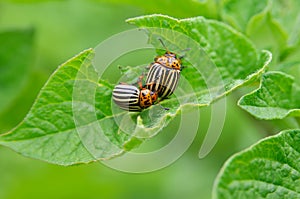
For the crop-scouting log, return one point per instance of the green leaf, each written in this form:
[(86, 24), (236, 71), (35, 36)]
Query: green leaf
[(258, 23), (49, 131), (268, 169), (220, 60), (16, 51), (247, 15), (291, 62), (267, 33), (271, 24), (213, 44), (19, 107), (239, 13), (277, 97), (286, 13), (74, 120)]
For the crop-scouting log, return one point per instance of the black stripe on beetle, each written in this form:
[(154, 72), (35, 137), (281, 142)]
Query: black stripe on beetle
[(162, 79), (130, 98), (164, 73)]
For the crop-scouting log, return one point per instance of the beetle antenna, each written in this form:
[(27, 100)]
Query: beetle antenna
[(165, 108), (161, 106), (184, 50), (162, 43)]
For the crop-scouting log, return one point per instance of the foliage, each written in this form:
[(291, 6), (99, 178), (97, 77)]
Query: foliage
[(269, 169), (14, 71), (228, 51), (277, 97), (49, 131)]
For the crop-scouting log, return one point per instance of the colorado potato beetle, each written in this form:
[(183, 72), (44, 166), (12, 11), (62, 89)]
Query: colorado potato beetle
[(164, 73), (131, 98)]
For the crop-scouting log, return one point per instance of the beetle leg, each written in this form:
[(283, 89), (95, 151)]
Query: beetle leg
[(182, 56), (140, 81), (165, 108), (182, 67), (148, 66)]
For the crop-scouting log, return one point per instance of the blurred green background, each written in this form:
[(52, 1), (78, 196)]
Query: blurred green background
[(61, 29)]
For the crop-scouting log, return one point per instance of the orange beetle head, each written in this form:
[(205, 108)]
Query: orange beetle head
[(169, 60), (147, 98)]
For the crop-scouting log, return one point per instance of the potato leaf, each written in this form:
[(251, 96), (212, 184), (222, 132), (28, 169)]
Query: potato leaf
[(75, 121), (277, 97), (268, 169)]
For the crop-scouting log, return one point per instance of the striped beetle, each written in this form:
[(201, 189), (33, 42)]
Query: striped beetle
[(164, 73), (130, 98)]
